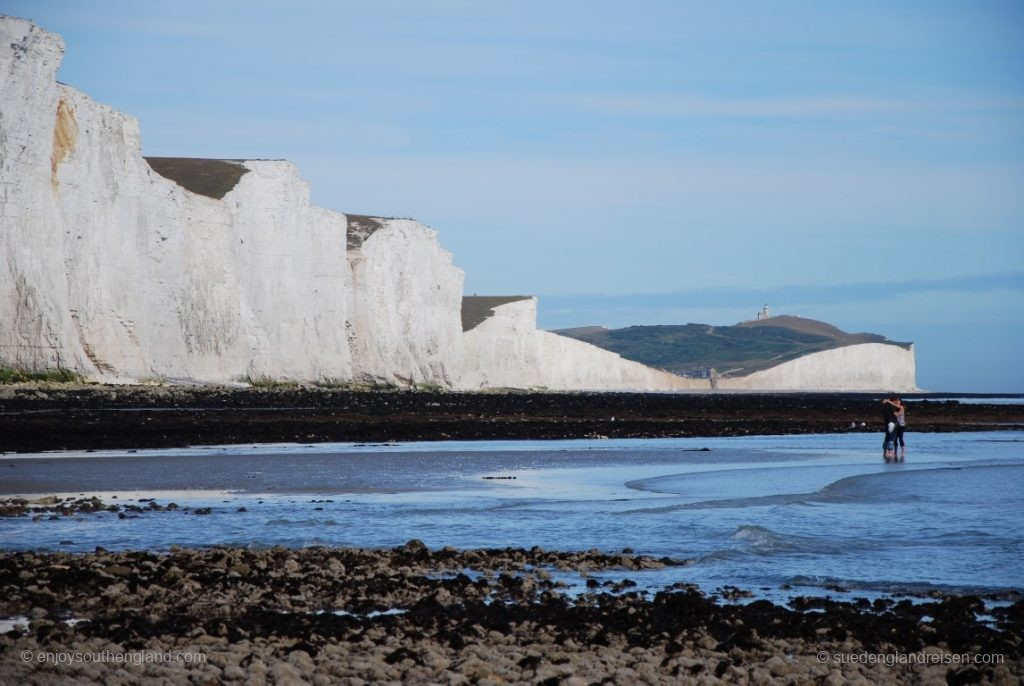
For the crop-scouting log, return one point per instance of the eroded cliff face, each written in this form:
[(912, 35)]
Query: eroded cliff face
[(505, 349), (862, 367), (111, 270), (162, 282), (405, 318), (36, 330), (191, 269)]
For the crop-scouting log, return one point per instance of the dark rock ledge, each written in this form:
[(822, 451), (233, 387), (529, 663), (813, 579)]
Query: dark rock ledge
[(478, 616)]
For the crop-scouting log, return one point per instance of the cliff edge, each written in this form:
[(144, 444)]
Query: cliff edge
[(120, 267)]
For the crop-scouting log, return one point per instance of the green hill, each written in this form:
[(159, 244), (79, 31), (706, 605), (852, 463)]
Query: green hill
[(694, 349)]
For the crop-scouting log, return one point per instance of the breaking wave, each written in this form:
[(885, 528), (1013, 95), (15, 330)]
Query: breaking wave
[(763, 541)]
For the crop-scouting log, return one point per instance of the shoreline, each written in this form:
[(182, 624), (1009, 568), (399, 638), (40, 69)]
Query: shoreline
[(669, 569), (334, 613), (41, 417), (416, 615)]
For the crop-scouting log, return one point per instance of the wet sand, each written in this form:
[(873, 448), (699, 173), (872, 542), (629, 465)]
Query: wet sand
[(412, 615), (36, 418)]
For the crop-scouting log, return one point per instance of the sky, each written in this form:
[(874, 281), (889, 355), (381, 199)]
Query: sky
[(629, 163)]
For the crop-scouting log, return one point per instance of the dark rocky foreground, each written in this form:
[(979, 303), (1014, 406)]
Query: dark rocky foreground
[(42, 417), (485, 617)]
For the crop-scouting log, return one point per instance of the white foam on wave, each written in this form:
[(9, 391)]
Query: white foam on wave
[(764, 541), (372, 614), (20, 623)]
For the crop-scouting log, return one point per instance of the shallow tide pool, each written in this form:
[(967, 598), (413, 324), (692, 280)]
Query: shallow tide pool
[(811, 514)]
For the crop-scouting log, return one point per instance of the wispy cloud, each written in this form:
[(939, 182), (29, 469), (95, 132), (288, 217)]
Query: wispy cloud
[(674, 105), (817, 294)]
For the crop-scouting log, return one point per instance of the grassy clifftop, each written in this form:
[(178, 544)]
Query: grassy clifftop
[(693, 349)]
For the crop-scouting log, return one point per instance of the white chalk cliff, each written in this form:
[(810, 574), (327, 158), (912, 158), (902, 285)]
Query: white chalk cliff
[(860, 367), (405, 319), (114, 271), (121, 267), (504, 348)]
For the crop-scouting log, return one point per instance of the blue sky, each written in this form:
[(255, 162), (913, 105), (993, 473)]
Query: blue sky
[(631, 163)]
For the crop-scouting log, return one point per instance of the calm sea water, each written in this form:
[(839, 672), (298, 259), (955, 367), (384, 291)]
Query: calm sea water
[(779, 515)]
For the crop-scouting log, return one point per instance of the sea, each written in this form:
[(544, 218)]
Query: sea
[(775, 516)]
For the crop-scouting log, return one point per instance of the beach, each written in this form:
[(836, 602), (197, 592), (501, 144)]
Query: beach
[(412, 615), (44, 416), (740, 559)]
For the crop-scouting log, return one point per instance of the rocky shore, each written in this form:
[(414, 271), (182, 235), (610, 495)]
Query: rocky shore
[(412, 615), (67, 416)]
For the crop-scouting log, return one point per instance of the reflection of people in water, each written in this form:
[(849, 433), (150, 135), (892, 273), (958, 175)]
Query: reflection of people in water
[(901, 425), (890, 406)]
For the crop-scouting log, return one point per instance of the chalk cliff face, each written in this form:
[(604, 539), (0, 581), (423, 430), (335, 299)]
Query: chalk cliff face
[(504, 348), (863, 367), (407, 295), (112, 270), (34, 321)]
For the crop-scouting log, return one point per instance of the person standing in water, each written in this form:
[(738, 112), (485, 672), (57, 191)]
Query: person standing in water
[(901, 425), (889, 409)]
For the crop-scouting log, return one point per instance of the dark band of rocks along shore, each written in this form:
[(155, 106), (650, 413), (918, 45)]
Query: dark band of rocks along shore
[(105, 417), (412, 615)]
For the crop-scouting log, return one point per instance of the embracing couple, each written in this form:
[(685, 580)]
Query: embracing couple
[(895, 417)]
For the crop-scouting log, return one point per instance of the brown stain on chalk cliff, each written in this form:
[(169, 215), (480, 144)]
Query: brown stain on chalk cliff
[(65, 135)]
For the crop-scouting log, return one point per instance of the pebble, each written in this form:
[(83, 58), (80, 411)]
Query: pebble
[(254, 613)]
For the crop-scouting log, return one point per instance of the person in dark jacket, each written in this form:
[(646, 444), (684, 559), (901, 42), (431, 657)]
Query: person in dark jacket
[(890, 408)]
